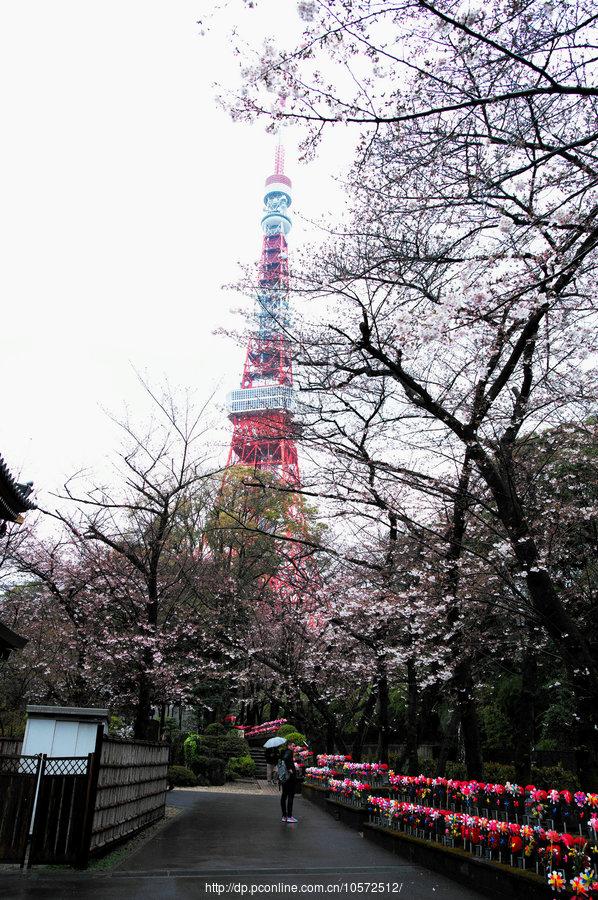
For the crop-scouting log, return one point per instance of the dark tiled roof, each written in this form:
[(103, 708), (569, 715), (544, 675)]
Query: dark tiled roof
[(13, 496), (10, 640)]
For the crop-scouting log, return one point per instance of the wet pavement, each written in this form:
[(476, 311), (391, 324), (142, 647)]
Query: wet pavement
[(236, 844)]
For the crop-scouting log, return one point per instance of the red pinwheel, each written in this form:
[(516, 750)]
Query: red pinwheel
[(515, 844)]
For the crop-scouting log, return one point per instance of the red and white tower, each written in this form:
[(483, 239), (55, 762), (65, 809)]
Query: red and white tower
[(261, 410)]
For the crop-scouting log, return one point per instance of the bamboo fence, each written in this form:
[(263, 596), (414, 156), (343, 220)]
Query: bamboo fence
[(131, 790), (10, 746)]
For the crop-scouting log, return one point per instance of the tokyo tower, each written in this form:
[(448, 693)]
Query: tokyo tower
[(261, 410)]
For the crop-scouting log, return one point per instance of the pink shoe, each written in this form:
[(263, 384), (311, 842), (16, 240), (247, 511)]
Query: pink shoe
[(292, 819), (284, 819)]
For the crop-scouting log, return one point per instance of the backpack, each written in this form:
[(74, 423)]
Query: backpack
[(282, 772)]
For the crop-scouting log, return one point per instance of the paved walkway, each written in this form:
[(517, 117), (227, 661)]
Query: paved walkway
[(233, 843)]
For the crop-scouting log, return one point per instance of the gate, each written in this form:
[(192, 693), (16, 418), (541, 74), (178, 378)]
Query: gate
[(61, 810), (53, 795), (19, 776)]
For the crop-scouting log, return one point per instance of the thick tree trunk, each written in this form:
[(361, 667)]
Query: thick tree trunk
[(362, 725), (330, 736), (448, 743), (462, 683), (470, 724), (146, 683), (411, 720), (568, 639), (523, 736), (143, 708), (251, 712), (383, 721)]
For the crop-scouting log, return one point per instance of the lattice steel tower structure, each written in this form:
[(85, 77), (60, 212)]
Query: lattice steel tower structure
[(261, 410)]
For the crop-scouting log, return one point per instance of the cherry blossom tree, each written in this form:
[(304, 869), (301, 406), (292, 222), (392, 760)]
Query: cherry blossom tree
[(130, 576), (464, 276)]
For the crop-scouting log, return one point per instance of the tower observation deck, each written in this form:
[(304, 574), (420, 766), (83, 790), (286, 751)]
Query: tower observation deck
[(262, 408)]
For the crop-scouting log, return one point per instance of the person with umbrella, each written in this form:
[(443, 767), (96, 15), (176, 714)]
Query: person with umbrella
[(272, 748), (287, 776)]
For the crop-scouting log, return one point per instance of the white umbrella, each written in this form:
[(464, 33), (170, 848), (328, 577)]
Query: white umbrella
[(275, 742)]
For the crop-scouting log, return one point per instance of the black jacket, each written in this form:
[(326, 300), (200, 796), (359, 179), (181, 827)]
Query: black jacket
[(271, 754), (287, 758)]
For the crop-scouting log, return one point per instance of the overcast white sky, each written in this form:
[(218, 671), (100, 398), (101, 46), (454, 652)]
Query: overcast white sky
[(127, 201)]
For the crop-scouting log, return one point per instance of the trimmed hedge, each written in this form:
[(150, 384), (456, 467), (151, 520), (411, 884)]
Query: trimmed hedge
[(241, 767), (207, 754), (236, 745), (295, 737), (286, 729), (210, 769), (215, 728), (181, 776), (223, 746)]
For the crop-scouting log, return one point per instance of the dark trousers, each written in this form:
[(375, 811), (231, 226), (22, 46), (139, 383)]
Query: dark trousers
[(287, 796)]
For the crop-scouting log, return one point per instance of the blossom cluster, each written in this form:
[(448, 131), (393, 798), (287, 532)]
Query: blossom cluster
[(573, 857)]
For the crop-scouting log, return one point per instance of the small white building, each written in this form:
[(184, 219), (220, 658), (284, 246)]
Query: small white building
[(62, 730)]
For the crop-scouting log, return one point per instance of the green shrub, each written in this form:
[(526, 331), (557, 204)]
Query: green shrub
[(213, 745), (115, 724), (181, 776), (201, 765), (177, 751), (210, 769), (241, 767), (295, 737), (191, 749), (217, 773), (547, 743), (557, 776), (286, 729), (215, 728), (223, 746), (171, 728), (217, 746), (455, 770), (235, 744), (499, 773)]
